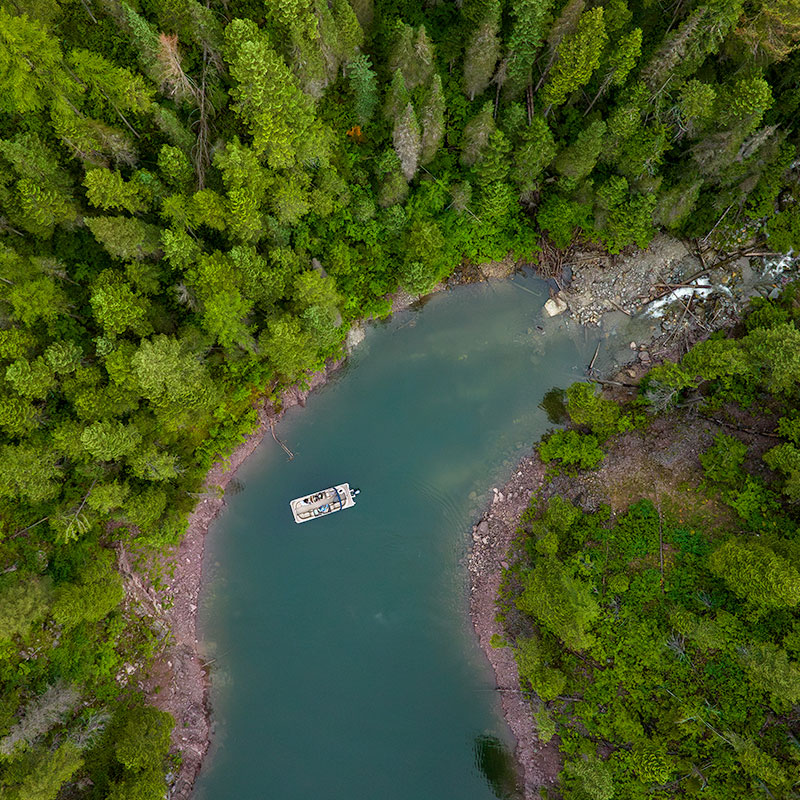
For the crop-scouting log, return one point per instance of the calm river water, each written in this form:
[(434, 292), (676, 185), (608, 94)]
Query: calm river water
[(346, 668)]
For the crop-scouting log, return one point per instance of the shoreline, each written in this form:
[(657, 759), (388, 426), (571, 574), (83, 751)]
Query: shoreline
[(179, 681), (492, 535)]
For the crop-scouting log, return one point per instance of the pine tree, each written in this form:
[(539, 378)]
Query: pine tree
[(350, 36), (744, 102), (412, 54), (279, 116), (407, 142), (563, 25), (578, 57), (125, 237), (145, 40), (108, 190), (364, 85), (481, 57), (111, 86), (535, 150), (475, 137), (578, 159), (30, 65), (432, 118), (619, 62), (527, 34), (397, 98)]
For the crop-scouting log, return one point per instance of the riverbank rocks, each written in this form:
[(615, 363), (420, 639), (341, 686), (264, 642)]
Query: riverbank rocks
[(555, 306)]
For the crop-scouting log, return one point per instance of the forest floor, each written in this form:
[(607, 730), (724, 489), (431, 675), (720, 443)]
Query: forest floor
[(595, 286)]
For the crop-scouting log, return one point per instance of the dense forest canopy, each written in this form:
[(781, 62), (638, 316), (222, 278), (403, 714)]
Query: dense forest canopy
[(661, 642), (197, 198)]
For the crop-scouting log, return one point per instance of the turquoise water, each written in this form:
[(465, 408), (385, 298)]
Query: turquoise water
[(345, 666)]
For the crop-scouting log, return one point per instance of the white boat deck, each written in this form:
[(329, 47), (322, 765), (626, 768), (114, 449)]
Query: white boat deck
[(320, 504)]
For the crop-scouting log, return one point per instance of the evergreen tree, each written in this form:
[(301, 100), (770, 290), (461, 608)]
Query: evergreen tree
[(531, 18), (535, 150), (481, 57), (619, 62), (364, 85), (475, 136), (407, 141), (397, 98), (578, 57), (30, 65), (578, 160), (432, 118), (278, 115)]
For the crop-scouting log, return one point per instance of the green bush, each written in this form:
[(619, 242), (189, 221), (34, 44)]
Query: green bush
[(722, 462), (572, 449)]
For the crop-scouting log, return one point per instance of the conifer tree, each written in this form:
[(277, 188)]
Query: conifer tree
[(563, 25), (108, 190), (125, 237), (620, 60), (279, 116), (527, 34), (364, 85), (30, 65), (349, 34), (111, 86), (535, 150), (578, 159), (578, 57), (475, 136), (397, 98), (481, 57), (407, 142), (432, 118), (412, 54)]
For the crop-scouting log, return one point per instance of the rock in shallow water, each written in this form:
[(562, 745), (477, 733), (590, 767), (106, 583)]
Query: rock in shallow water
[(555, 306)]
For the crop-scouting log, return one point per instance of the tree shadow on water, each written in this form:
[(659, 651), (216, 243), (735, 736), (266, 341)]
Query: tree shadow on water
[(496, 764), (554, 404)]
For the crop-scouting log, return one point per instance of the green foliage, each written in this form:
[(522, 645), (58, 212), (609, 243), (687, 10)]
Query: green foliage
[(572, 449), (601, 416), (753, 571), (560, 602), (532, 661), (169, 176), (722, 462), (578, 57)]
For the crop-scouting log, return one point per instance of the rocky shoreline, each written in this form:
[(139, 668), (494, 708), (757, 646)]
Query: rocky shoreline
[(492, 535)]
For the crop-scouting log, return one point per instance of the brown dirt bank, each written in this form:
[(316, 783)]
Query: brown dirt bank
[(179, 681), (538, 763)]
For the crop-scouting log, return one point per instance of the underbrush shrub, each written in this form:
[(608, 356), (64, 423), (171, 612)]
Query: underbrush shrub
[(722, 462), (635, 534), (572, 449), (601, 416)]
